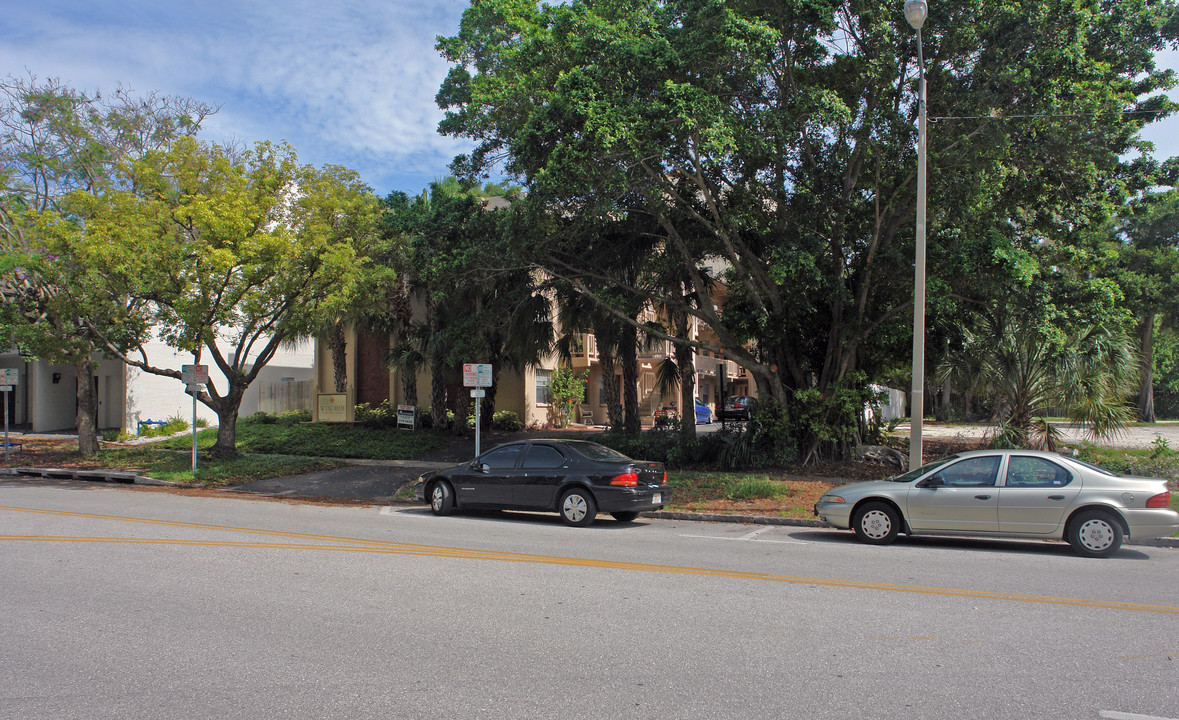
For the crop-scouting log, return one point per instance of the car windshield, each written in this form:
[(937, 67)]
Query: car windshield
[(914, 474), (594, 451)]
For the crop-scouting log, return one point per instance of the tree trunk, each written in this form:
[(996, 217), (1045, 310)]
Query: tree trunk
[(409, 385), (628, 349), (610, 391), (339, 347), (683, 360), (227, 409), (438, 395), (87, 415), (1146, 391), (487, 406), (462, 401)]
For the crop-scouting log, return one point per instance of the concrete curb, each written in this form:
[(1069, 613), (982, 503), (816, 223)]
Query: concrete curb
[(124, 477)]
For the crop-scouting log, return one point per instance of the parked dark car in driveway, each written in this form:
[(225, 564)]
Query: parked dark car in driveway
[(740, 407), (574, 478)]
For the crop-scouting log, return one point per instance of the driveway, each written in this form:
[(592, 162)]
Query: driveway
[(1137, 436)]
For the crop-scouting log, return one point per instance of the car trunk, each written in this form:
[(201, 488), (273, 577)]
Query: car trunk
[(649, 473)]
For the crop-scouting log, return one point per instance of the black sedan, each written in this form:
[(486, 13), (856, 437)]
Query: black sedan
[(574, 478), (737, 408)]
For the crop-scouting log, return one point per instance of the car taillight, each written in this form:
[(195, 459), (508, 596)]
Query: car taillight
[(626, 480), (1162, 500), (664, 477)]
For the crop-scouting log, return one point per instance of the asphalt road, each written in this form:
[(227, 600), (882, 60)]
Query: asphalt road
[(120, 603)]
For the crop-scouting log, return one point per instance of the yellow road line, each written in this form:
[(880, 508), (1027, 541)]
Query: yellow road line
[(338, 544)]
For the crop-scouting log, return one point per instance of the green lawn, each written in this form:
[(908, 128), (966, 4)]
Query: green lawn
[(176, 466), (321, 440)]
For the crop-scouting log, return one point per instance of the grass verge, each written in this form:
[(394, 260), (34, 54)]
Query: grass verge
[(320, 440), (177, 466), (744, 493)]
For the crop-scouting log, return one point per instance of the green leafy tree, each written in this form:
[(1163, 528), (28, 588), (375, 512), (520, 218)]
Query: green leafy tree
[(476, 309), (57, 146), (226, 256), (1146, 244), (775, 142)]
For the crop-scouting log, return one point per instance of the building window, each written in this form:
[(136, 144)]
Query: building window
[(543, 377)]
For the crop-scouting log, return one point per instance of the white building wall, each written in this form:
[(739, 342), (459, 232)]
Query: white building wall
[(53, 396), (154, 397)]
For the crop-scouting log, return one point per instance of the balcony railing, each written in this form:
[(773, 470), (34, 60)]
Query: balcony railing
[(583, 350)]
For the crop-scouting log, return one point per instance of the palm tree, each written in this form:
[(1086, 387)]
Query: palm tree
[(1089, 375)]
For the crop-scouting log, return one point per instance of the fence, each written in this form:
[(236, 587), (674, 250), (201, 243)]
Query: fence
[(276, 397)]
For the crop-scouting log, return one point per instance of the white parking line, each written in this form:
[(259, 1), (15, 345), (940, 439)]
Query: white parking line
[(755, 533), (401, 511), (1112, 715), (748, 538)]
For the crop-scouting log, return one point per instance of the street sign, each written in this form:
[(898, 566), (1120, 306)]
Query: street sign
[(11, 376), (476, 375), (194, 374), (479, 393)]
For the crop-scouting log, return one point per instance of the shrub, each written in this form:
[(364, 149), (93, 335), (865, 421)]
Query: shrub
[(507, 420), (380, 416), (294, 417), (289, 417)]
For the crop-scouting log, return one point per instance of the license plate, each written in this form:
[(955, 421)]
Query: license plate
[(658, 498)]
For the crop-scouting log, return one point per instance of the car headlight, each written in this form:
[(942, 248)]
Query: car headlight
[(832, 499)]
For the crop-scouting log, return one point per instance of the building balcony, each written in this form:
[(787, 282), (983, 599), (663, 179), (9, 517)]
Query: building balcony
[(583, 351)]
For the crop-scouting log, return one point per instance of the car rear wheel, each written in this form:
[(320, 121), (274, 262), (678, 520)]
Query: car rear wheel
[(1095, 533), (577, 507), (876, 523), (441, 498), (627, 516)]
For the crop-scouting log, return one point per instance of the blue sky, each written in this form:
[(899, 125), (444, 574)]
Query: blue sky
[(350, 82)]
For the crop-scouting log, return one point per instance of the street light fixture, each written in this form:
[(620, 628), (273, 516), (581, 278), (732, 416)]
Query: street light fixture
[(916, 12)]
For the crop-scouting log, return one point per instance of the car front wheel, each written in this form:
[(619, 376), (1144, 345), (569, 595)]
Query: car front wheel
[(577, 507), (441, 498), (876, 523), (1095, 533)]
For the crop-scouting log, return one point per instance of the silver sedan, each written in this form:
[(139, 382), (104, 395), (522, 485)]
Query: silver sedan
[(1008, 493)]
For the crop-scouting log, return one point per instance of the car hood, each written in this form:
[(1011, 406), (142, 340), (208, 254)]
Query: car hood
[(867, 488)]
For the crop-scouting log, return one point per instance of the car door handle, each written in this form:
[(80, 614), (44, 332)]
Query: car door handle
[(1055, 497), (982, 497)]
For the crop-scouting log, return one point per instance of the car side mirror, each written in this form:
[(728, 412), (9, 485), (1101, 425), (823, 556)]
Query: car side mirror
[(932, 483)]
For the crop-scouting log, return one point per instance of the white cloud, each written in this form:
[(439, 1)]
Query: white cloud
[(341, 81), (349, 82)]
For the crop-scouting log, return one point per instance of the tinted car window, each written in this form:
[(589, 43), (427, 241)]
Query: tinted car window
[(543, 456), (1035, 472), (971, 472), (502, 458), (594, 451)]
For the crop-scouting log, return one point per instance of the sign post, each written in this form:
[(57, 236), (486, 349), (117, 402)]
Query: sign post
[(195, 377), (9, 377), (477, 376)]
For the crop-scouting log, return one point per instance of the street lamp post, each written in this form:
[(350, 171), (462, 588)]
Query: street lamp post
[(916, 12)]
